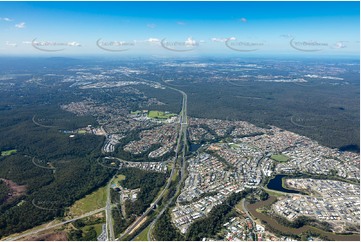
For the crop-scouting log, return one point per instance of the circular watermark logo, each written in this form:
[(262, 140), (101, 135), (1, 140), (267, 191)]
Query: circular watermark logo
[(51, 46), (47, 205), (308, 46), (305, 121), (242, 46), (237, 81), (308, 83), (115, 46), (47, 80), (42, 164), (180, 46), (172, 81)]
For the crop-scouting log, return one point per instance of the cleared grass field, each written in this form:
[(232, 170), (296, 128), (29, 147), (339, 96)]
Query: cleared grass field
[(169, 166), (239, 206), (280, 158), (89, 203), (143, 235), (136, 112), (273, 193), (118, 178), (175, 175), (160, 114), (234, 146), (8, 152), (97, 228)]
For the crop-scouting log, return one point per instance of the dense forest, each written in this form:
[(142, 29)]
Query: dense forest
[(4, 190), (164, 229), (48, 194), (206, 227), (318, 116), (210, 225), (56, 170), (120, 223), (149, 183), (84, 230)]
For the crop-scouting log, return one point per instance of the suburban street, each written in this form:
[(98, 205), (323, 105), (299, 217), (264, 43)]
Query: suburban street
[(245, 209)]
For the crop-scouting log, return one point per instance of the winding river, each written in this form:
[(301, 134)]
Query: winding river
[(252, 208)]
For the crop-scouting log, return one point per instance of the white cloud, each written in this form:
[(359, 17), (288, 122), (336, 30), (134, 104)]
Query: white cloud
[(340, 45), (190, 42), (181, 23), (6, 19), (218, 39), (20, 25), (8, 43), (152, 40), (152, 26), (27, 42), (74, 44), (222, 40), (244, 20)]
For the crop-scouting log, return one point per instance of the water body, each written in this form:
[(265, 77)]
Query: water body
[(351, 148), (252, 208), (194, 147), (276, 184)]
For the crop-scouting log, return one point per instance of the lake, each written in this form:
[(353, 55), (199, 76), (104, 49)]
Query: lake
[(194, 147), (276, 184)]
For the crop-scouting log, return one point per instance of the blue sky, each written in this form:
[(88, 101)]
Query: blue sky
[(179, 28)]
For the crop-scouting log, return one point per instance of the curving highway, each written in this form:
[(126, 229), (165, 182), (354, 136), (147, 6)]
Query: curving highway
[(108, 215), (181, 135), (183, 132)]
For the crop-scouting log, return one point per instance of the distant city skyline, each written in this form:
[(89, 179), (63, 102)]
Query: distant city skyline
[(180, 28)]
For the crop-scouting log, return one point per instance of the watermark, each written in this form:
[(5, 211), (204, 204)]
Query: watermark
[(50, 46), (305, 121), (308, 46), (313, 80), (115, 46), (180, 46), (173, 81), (47, 80), (307, 83), (47, 205), (237, 81), (42, 164), (242, 46)]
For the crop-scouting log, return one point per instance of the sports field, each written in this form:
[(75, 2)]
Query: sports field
[(143, 236), (280, 158), (160, 115), (8, 152)]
